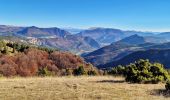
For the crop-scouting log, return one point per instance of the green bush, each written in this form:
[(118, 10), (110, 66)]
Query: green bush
[(45, 72), (80, 71), (49, 50), (120, 70), (17, 46), (92, 73), (167, 86), (69, 72), (143, 71)]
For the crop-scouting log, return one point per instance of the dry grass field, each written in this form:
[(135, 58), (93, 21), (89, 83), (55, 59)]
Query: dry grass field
[(77, 88)]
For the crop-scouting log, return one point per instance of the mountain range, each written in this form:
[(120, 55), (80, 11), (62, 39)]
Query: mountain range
[(122, 48), (106, 36), (103, 47), (154, 55), (86, 40), (51, 37)]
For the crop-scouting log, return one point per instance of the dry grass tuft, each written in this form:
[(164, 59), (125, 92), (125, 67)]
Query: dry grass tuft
[(77, 88)]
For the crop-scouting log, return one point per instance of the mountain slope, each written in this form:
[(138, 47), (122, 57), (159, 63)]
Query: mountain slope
[(122, 48), (134, 39), (72, 43), (115, 51), (9, 29), (51, 37), (137, 39), (73, 30), (103, 35), (106, 36), (129, 33), (165, 35), (154, 55), (85, 41), (109, 53), (42, 32)]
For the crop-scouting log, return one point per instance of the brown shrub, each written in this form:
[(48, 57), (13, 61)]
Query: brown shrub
[(66, 60), (29, 62)]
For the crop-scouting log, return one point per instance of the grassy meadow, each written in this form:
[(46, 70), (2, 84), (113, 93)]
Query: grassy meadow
[(77, 88)]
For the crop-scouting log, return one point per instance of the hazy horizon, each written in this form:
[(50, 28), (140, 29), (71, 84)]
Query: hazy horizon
[(78, 28)]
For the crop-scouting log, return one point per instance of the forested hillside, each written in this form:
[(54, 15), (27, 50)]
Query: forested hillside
[(24, 60)]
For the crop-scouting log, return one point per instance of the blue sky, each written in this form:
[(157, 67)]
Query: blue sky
[(146, 15)]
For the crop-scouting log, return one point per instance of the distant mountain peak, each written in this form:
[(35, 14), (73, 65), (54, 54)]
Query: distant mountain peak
[(37, 32), (135, 35), (93, 28), (105, 36), (32, 27), (102, 28), (134, 39)]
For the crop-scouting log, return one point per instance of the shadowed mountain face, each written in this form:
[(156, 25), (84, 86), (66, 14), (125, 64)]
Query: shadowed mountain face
[(165, 35), (154, 55), (108, 53), (137, 39), (134, 39), (129, 33)]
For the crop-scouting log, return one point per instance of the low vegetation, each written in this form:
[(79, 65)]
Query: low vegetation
[(77, 88), (167, 86), (143, 71), (22, 60)]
